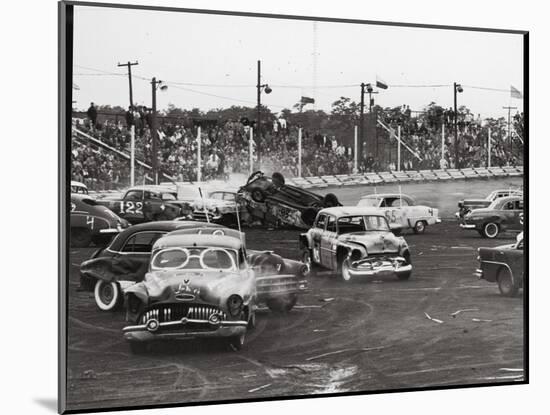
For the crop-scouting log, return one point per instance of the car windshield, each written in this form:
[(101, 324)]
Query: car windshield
[(369, 201), (362, 223), (195, 258)]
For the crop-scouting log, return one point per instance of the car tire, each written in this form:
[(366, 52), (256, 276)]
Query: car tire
[(251, 321), (81, 237), (419, 227), (330, 200), (344, 270), (236, 343), (506, 284), (278, 179), (307, 259), (490, 230), (108, 295), (282, 305), (308, 215)]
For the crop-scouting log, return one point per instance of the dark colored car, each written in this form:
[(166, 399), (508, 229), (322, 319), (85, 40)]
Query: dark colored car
[(125, 261), (467, 205), (91, 222), (146, 203), (274, 203), (504, 214), (503, 265)]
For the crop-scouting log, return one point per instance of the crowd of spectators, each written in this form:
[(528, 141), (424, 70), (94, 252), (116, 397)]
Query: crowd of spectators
[(225, 147)]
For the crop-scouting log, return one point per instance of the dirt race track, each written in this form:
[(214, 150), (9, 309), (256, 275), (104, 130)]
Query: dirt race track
[(360, 336)]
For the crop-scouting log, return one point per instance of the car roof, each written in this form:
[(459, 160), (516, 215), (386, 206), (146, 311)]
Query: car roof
[(217, 241), (385, 195), (153, 188), (81, 196), (351, 211), (75, 183), (156, 226)]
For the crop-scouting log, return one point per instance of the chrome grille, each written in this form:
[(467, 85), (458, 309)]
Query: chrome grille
[(175, 312)]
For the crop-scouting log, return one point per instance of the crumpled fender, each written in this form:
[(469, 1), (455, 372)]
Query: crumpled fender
[(139, 290)]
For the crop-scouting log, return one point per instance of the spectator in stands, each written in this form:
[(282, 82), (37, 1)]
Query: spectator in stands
[(129, 115)]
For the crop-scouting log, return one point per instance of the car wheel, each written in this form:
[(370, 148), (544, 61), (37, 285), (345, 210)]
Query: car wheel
[(490, 230), (345, 270), (419, 227), (282, 304), (330, 200), (506, 284), (308, 215), (403, 276), (81, 237), (236, 342), (251, 321), (258, 195), (278, 179), (308, 261), (139, 347), (107, 295)]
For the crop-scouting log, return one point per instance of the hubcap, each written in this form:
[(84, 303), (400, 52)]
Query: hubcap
[(491, 229), (107, 293)]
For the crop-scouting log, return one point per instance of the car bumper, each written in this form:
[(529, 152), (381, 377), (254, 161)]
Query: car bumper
[(378, 267), (438, 220), (478, 274), (181, 329)]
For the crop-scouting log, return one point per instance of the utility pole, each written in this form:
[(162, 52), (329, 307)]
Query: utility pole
[(361, 121), (509, 136), (267, 90), (154, 133), (129, 65), (456, 88)]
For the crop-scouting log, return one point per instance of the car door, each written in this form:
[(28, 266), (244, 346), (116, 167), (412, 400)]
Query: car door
[(515, 261), (328, 243), (131, 206), (316, 234), (132, 262)]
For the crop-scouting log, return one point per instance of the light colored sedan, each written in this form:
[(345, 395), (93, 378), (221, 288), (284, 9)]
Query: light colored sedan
[(401, 211)]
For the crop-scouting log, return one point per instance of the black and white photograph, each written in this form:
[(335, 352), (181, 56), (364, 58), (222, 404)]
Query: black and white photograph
[(264, 207)]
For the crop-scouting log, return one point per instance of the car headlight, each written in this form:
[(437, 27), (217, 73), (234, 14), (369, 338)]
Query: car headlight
[(235, 305)]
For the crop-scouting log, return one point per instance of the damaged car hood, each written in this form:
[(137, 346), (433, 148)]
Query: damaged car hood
[(375, 242)]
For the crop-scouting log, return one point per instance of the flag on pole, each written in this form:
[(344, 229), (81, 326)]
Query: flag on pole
[(514, 93), (307, 100), (380, 83)]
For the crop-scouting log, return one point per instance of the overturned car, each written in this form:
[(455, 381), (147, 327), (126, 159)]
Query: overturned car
[(274, 203), (355, 242)]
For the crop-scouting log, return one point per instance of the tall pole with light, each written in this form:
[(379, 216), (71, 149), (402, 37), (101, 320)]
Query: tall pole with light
[(267, 90), (370, 91), (154, 133), (457, 88)]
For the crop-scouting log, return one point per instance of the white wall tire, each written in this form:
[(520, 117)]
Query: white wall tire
[(490, 230), (344, 271), (419, 227), (107, 295)]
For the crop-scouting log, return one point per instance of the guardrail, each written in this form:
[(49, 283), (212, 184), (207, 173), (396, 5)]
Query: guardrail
[(392, 177)]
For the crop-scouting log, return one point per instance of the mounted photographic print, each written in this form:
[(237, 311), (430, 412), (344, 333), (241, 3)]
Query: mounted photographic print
[(258, 207)]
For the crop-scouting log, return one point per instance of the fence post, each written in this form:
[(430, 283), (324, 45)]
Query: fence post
[(355, 170), (199, 160), (251, 151), (300, 152), (132, 155), (399, 148), (489, 148), (443, 141)]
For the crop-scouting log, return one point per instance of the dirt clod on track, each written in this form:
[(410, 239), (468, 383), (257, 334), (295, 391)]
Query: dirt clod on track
[(361, 336)]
